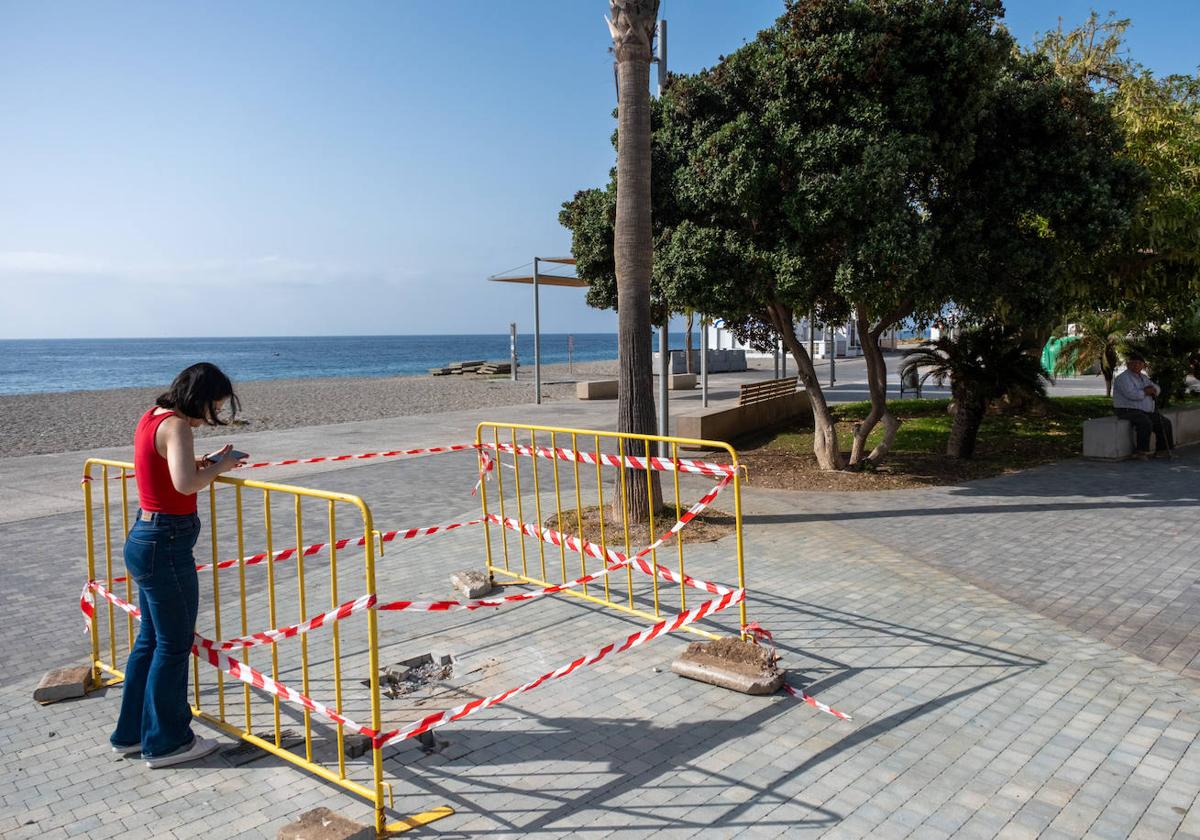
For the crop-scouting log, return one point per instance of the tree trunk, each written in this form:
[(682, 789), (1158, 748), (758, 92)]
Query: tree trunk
[(632, 28), (965, 429), (877, 390), (1108, 363), (825, 442)]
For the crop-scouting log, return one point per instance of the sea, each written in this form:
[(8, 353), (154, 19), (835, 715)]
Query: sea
[(46, 365)]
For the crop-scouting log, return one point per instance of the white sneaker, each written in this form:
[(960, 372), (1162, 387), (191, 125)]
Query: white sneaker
[(199, 748), (132, 749)]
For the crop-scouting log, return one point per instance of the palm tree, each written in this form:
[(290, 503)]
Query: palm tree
[(1102, 334), (983, 364), (632, 26)]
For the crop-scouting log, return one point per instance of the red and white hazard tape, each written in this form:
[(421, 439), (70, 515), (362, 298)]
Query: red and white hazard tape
[(666, 626), (615, 557), (215, 651), (270, 637), (757, 631), (241, 671), (689, 465), (317, 548), (362, 456), (653, 463)]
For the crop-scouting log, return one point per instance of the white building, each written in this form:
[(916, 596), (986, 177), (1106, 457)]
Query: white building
[(843, 337)]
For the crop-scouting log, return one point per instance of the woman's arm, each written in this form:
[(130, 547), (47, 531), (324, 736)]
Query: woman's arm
[(186, 474)]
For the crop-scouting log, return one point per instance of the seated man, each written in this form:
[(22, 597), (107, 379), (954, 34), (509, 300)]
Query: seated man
[(1133, 400)]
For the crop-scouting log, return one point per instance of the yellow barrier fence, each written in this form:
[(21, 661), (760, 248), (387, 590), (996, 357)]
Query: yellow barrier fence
[(572, 482), (556, 476), (257, 587)]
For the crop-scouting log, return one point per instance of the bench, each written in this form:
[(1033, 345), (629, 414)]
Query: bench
[(910, 382), (761, 405), (1111, 438)]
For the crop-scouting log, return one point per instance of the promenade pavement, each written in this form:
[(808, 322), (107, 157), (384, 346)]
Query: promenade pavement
[(1000, 681)]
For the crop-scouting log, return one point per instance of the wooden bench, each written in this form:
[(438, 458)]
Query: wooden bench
[(757, 392), (761, 405)]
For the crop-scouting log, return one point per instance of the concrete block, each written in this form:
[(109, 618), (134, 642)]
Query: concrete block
[(719, 361), (323, 824), (596, 389), (1107, 438), (730, 663), (681, 381), (1187, 424), (471, 584), (63, 684)]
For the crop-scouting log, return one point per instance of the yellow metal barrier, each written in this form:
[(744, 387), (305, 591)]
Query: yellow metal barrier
[(524, 496), (261, 606)]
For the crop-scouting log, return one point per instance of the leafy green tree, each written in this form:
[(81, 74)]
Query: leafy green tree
[(812, 162), (1100, 337), (983, 364), (1154, 271), (880, 159), (1172, 351)]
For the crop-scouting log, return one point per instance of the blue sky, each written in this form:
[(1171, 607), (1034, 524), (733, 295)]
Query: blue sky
[(302, 168)]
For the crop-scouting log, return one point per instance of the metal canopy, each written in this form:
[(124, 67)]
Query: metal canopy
[(538, 279), (544, 280)]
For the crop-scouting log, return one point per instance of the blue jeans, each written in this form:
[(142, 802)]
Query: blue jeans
[(154, 704)]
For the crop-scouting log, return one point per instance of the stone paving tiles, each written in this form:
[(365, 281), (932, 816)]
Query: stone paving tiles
[(949, 623)]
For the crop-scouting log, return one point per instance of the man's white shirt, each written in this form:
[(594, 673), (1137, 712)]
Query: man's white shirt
[(1129, 391)]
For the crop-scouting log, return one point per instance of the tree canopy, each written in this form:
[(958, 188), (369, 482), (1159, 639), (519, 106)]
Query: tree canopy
[(880, 157), (1154, 270)]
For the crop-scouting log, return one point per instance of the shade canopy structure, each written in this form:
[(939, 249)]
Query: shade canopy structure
[(538, 279)]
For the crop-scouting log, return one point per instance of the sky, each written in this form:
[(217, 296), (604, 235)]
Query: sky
[(314, 168)]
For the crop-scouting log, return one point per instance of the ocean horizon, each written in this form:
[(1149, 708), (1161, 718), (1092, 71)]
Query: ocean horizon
[(30, 366)]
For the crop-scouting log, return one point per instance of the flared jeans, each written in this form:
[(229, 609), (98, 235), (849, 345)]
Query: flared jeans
[(154, 704)]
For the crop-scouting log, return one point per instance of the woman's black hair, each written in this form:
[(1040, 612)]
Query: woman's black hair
[(196, 390)]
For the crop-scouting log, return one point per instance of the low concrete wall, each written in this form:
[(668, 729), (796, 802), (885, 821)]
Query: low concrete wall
[(719, 361), (597, 389), (681, 381), (725, 424), (1111, 438)]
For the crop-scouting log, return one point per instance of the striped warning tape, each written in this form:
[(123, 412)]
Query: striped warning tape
[(653, 463)]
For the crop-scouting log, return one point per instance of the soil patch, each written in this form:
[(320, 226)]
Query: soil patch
[(709, 526)]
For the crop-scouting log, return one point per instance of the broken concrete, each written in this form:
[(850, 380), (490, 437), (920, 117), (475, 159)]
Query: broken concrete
[(357, 745), (471, 584), (731, 663), (63, 684), (323, 824)]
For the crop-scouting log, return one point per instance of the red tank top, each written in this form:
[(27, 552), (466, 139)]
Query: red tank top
[(155, 490)]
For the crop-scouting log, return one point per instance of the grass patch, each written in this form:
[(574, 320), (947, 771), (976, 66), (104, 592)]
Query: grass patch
[(1047, 432)]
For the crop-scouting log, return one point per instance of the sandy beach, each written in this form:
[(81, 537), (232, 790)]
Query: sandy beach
[(35, 424)]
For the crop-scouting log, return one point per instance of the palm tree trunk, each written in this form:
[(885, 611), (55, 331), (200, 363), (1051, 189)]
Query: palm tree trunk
[(964, 431), (632, 28)]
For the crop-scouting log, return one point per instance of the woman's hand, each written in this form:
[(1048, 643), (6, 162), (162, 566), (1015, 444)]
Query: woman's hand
[(225, 464)]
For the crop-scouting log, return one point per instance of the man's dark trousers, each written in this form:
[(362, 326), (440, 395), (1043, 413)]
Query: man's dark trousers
[(1145, 422)]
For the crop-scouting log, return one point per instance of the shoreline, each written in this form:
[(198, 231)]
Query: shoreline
[(61, 421)]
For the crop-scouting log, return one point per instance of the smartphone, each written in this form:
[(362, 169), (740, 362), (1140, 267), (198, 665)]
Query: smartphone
[(215, 457)]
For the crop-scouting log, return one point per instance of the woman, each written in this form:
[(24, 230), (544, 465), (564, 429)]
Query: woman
[(155, 717)]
